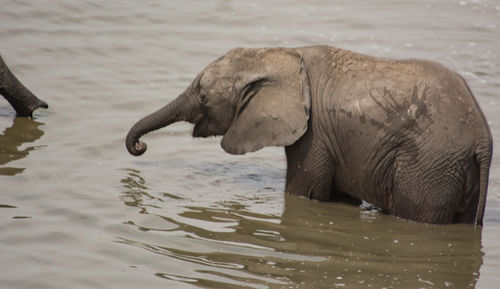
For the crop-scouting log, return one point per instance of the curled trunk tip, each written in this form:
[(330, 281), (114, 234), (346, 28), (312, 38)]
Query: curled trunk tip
[(135, 146), (28, 110), (174, 111)]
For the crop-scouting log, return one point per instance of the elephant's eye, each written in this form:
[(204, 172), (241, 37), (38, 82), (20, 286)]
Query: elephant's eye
[(203, 98)]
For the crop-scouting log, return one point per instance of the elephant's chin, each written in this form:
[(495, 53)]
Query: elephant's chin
[(201, 129), (205, 128)]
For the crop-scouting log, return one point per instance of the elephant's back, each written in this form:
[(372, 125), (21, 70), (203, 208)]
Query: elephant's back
[(451, 106), (405, 108), (405, 95)]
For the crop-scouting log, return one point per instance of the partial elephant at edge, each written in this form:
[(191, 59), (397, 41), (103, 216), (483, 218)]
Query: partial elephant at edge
[(20, 98)]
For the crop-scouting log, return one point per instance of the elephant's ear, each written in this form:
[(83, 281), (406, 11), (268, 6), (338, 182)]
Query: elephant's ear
[(273, 102)]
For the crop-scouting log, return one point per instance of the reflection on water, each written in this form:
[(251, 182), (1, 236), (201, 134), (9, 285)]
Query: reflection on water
[(311, 245), (23, 130)]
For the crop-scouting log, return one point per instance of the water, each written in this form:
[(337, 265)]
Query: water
[(77, 211)]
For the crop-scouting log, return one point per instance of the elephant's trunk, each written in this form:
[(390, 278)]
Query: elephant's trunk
[(178, 110), (21, 99)]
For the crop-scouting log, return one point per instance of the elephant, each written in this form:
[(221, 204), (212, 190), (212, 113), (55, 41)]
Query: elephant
[(22, 100), (405, 135)]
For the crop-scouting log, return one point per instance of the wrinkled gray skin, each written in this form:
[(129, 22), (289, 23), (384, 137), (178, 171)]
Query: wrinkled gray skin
[(22, 100), (404, 135)]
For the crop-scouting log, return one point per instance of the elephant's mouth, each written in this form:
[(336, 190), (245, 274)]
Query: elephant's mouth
[(208, 127)]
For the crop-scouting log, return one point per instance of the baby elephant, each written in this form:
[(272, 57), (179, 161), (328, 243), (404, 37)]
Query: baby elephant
[(22, 100), (405, 135)]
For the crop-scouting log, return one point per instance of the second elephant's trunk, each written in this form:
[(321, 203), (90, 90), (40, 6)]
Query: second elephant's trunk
[(178, 110), (21, 99)]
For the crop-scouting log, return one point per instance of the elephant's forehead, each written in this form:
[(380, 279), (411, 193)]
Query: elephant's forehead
[(219, 69), (216, 77), (221, 66)]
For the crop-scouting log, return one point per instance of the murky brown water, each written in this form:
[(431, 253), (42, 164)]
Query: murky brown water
[(77, 211)]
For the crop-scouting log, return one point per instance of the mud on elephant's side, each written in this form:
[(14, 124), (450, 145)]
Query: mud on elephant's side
[(22, 100), (407, 135)]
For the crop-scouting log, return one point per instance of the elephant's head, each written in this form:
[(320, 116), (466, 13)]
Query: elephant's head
[(21, 99), (253, 97)]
